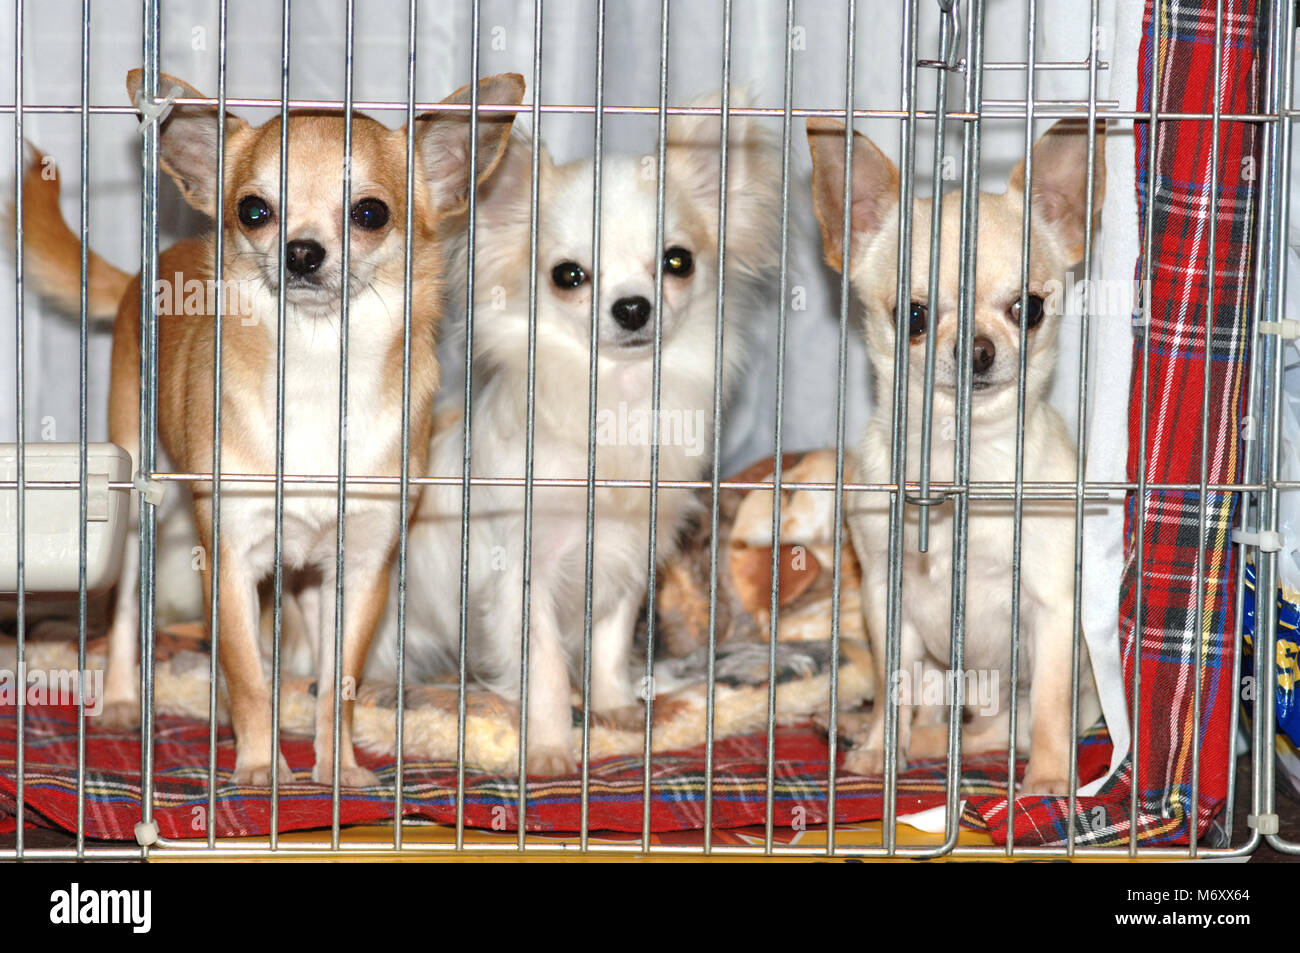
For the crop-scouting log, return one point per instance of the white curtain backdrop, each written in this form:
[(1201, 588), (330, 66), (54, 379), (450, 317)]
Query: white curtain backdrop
[(189, 45)]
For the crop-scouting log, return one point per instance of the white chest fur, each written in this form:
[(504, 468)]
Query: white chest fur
[(311, 427), (1046, 538)]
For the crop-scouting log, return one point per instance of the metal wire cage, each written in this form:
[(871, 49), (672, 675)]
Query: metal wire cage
[(957, 67)]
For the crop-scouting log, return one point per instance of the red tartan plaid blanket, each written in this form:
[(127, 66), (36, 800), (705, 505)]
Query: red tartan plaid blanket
[(677, 786), (1179, 45)]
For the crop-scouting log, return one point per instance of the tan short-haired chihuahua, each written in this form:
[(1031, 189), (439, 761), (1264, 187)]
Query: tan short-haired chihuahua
[(313, 278), (1059, 214)]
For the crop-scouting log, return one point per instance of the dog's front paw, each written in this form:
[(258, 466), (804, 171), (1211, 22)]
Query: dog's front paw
[(1044, 783), (350, 775), (119, 716), (849, 725), (259, 775), (551, 762), (623, 718), (868, 761)]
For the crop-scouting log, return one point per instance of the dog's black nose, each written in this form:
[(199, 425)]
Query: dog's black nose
[(984, 354), (631, 313), (303, 257)]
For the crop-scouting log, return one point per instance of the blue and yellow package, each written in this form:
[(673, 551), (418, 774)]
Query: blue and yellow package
[(1288, 655)]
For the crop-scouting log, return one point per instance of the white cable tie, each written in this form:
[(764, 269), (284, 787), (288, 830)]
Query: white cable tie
[(1268, 541), (1286, 328), (152, 490), (151, 112), (146, 833)]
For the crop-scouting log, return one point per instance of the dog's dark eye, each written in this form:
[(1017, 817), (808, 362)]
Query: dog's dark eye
[(370, 214), (1034, 314), (568, 274), (253, 211), (678, 261), (915, 319)]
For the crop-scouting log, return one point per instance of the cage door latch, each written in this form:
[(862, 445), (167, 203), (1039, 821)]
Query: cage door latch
[(949, 38), (1268, 541)]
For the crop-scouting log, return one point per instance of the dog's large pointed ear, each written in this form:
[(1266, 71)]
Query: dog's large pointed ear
[(505, 199), (875, 186), (694, 161), (692, 149), (444, 139), (187, 145), (1060, 181)]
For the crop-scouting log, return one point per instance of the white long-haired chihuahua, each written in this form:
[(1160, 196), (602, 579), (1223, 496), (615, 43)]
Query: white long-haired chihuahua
[(626, 331)]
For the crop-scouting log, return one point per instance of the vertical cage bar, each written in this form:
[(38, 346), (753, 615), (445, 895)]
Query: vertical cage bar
[(898, 426), (947, 39), (1266, 581), (82, 432), (656, 381), (340, 537), (1153, 128), (1267, 300), (531, 413), (841, 380), (468, 432), (783, 291), (592, 370), (1080, 471), (719, 328), (148, 409), (1249, 518), (281, 326), (968, 256), (1203, 629), (404, 491), (20, 426), (1017, 532), (218, 255)]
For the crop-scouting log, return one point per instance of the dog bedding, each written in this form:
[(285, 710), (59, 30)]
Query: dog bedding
[(617, 776), (113, 794)]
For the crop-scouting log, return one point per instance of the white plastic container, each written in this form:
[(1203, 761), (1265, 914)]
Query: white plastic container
[(50, 517)]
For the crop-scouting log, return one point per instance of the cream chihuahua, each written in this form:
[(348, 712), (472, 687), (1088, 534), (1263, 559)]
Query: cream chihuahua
[(565, 281), (1059, 214), (315, 219)]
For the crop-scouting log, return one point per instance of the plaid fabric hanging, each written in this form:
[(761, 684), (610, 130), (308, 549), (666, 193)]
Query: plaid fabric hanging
[(1185, 190)]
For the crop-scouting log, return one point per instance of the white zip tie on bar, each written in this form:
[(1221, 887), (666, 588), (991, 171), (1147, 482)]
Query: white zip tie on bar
[(1286, 328), (1268, 541), (1264, 823), (146, 833), (151, 112), (153, 491)]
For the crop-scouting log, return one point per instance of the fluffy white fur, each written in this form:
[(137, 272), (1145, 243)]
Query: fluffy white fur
[(499, 417)]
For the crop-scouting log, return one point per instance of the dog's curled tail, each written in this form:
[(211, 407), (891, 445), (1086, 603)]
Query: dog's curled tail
[(52, 252)]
